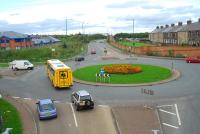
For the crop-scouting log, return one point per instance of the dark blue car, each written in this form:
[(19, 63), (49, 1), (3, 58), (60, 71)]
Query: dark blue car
[(46, 109)]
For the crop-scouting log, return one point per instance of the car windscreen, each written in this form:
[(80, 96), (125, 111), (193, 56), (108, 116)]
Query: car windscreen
[(86, 97), (47, 107)]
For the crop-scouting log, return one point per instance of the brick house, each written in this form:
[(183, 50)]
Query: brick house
[(188, 34), (14, 40)]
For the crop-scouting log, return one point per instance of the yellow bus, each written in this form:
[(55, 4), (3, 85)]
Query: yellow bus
[(59, 74)]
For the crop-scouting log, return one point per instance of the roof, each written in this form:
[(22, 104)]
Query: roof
[(45, 101), (160, 30), (191, 27), (57, 64), (45, 40), (83, 93), (12, 35)]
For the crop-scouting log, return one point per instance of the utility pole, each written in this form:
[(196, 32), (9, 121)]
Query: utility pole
[(82, 28), (133, 38), (66, 26)]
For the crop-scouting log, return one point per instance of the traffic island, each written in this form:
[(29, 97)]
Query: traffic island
[(150, 75)]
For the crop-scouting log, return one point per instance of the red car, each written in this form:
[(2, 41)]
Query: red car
[(192, 60)]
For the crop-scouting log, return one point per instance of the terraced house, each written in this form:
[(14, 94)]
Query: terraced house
[(14, 40), (187, 34)]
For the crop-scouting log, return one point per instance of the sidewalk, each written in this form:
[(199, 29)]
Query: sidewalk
[(29, 126)]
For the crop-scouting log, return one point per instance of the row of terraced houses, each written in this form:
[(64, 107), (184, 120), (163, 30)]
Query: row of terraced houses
[(180, 34)]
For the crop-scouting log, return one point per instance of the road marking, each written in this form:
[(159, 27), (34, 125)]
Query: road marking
[(165, 106), (74, 115), (27, 99), (167, 112), (170, 125), (103, 106), (15, 97), (177, 113)]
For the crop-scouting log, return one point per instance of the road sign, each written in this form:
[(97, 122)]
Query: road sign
[(147, 91)]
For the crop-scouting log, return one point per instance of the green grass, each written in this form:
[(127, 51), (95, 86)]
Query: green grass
[(4, 65), (11, 118), (150, 74), (135, 44)]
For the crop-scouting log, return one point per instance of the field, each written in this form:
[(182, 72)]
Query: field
[(10, 116), (149, 74), (135, 44)]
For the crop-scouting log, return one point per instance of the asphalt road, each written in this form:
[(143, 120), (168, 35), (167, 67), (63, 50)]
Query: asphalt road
[(184, 92), (69, 121)]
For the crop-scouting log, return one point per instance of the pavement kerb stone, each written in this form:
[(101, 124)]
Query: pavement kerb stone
[(115, 122), (176, 74)]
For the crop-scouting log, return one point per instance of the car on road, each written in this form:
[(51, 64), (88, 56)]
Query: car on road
[(192, 60), (93, 51), (21, 64), (82, 99), (80, 58), (46, 109)]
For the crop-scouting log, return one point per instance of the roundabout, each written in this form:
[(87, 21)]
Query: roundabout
[(150, 74)]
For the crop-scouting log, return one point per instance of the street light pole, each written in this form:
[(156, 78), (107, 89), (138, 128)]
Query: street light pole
[(66, 26), (133, 36)]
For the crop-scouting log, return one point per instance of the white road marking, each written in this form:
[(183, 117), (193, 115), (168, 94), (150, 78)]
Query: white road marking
[(165, 106), (170, 125), (15, 97), (103, 106), (27, 99), (74, 115), (177, 113), (167, 112)]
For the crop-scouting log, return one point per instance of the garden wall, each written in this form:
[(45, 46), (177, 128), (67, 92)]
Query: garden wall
[(176, 51)]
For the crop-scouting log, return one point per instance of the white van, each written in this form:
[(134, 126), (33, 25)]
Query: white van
[(21, 64)]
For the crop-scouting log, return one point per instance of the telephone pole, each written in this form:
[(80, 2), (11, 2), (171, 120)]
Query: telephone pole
[(66, 26)]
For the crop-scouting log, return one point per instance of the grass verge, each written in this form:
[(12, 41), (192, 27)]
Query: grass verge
[(135, 44), (150, 74), (3, 64), (11, 117)]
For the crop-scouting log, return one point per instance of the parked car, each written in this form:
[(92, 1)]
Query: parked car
[(21, 64), (46, 109), (80, 58), (82, 99), (192, 60), (93, 51)]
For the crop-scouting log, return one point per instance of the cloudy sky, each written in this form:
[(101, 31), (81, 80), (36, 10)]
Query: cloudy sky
[(93, 16)]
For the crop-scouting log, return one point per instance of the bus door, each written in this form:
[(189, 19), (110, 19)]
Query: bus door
[(63, 78)]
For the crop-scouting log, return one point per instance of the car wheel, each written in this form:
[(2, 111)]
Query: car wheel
[(16, 69)]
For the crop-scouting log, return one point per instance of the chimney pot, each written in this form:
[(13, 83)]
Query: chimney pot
[(189, 22), (199, 20), (161, 27), (180, 23), (166, 26), (172, 25), (157, 27)]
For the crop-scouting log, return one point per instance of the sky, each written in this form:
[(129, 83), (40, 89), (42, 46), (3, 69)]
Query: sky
[(94, 16)]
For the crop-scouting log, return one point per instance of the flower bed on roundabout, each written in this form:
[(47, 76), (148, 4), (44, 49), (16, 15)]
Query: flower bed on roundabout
[(140, 73)]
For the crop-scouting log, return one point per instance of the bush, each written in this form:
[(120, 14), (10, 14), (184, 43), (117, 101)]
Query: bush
[(180, 56), (122, 69)]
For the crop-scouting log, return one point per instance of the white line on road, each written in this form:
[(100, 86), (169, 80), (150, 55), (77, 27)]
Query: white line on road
[(15, 97), (74, 115), (170, 125), (167, 112), (27, 99), (178, 117), (165, 106)]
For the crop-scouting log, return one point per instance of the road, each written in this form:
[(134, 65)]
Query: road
[(96, 121), (184, 92)]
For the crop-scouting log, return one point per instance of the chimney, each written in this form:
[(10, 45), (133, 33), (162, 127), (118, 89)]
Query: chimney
[(157, 27), (180, 23), (199, 20), (161, 27), (172, 25), (189, 22), (166, 26)]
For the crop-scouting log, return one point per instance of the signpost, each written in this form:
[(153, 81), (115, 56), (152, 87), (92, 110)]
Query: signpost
[(102, 77)]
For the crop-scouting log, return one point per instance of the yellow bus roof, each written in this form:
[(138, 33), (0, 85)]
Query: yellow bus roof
[(57, 64)]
